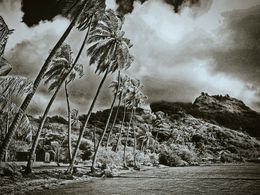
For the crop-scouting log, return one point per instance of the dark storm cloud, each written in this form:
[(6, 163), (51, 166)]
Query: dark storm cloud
[(242, 57), (38, 10), (127, 6)]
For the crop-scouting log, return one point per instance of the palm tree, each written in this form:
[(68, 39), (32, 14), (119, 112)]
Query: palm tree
[(109, 51), (37, 81), (69, 119), (62, 67), (117, 89), (122, 96), (82, 13), (74, 114), (13, 86), (135, 98)]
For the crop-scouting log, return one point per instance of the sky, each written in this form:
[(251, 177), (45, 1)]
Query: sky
[(210, 47)]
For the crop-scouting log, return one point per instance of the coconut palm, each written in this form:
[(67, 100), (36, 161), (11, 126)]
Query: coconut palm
[(135, 98), (122, 96), (117, 87), (80, 12), (72, 116), (109, 51), (13, 86), (62, 67)]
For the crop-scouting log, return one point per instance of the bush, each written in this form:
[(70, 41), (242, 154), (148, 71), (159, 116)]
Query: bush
[(186, 155), (169, 158)]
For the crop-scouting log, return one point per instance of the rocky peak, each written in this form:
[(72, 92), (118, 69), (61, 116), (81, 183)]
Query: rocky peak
[(220, 103)]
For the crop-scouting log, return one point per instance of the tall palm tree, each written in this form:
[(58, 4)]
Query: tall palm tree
[(122, 96), (135, 98), (109, 51), (73, 115), (62, 67), (27, 100), (69, 120), (117, 89)]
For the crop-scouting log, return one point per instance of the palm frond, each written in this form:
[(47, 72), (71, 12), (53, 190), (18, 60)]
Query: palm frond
[(109, 49), (59, 67), (7, 106), (15, 86), (4, 32), (77, 72)]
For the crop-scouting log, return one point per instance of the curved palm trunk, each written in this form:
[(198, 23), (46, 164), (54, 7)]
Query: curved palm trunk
[(127, 135), (104, 132), (121, 128), (70, 168), (36, 83), (69, 120), (38, 134)]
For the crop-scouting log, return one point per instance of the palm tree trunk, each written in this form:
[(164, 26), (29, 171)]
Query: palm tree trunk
[(121, 128), (117, 110), (36, 83), (70, 168), (38, 134), (107, 123), (6, 131), (69, 121), (134, 149), (94, 137), (114, 122), (142, 146), (127, 135)]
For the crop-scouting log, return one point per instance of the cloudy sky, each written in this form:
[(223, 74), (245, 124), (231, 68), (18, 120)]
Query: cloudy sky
[(212, 46)]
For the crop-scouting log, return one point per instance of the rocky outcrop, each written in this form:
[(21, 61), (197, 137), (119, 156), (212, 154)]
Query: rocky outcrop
[(217, 109)]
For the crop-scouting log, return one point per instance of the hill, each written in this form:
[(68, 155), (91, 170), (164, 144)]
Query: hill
[(217, 109)]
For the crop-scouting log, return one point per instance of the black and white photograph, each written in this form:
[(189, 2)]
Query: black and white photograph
[(126, 97)]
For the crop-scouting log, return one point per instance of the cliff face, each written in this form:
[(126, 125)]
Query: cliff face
[(220, 110)]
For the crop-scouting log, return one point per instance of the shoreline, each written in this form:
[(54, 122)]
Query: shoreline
[(50, 179)]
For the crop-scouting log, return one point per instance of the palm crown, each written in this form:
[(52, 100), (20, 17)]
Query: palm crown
[(60, 67), (91, 11), (110, 49)]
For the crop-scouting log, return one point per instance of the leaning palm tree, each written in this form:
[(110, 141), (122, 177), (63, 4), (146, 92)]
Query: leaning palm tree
[(13, 86), (80, 12), (109, 51), (62, 67)]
